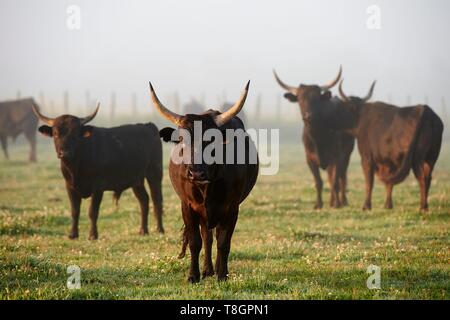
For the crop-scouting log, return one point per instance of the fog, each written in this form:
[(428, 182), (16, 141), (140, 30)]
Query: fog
[(210, 49)]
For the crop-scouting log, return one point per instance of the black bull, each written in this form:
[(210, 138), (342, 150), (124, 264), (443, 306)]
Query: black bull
[(210, 194), (94, 160), (17, 117)]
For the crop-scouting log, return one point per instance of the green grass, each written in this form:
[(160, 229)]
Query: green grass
[(281, 249)]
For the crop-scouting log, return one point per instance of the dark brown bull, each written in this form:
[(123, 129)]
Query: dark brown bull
[(324, 147), (391, 141), (210, 194), (17, 117), (94, 160)]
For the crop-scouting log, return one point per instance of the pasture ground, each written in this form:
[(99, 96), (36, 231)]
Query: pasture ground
[(281, 249)]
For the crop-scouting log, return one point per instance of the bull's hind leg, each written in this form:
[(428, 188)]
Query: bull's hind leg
[(389, 204), (96, 199), (368, 175), (4, 141), (191, 221), (207, 237), (333, 179), (157, 200), (318, 182), (224, 232), (423, 171), (142, 195)]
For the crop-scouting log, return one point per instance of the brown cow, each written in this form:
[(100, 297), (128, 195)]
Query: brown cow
[(391, 141), (324, 147), (17, 117), (211, 193)]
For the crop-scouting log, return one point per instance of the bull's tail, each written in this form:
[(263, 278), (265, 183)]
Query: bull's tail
[(185, 241), (403, 171), (116, 197)]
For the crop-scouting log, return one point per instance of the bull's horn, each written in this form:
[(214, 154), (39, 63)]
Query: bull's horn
[(43, 118), (85, 120), (341, 92), (369, 94), (169, 115), (223, 118), (291, 89), (334, 82)]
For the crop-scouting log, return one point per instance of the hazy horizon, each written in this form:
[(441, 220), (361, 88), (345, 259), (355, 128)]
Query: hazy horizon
[(211, 48)]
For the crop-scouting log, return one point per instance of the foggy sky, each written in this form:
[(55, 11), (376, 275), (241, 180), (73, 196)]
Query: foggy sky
[(213, 47)]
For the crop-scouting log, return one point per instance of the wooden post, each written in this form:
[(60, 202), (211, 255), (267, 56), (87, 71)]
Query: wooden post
[(18, 95)]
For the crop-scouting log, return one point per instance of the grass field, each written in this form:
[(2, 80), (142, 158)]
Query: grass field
[(281, 249)]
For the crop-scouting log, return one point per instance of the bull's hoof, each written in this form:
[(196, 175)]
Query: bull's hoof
[(194, 278), (318, 206), (424, 209), (367, 207), (73, 235), (93, 237), (221, 278), (209, 272), (143, 232), (344, 202), (388, 206), (160, 230)]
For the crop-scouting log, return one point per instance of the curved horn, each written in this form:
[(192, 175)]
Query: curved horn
[(334, 82), (169, 115), (85, 120), (43, 118), (291, 89), (234, 110), (369, 94), (341, 92)]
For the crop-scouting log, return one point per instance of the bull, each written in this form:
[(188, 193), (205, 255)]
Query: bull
[(324, 148), (211, 193), (94, 160), (391, 141), (17, 117)]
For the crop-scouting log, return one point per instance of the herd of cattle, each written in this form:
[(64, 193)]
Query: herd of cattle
[(391, 140)]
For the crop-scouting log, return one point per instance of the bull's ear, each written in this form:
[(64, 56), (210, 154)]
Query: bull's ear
[(166, 134), (326, 95), (86, 131), (46, 131), (291, 97)]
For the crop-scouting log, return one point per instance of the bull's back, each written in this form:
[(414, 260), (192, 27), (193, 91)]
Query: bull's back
[(121, 157)]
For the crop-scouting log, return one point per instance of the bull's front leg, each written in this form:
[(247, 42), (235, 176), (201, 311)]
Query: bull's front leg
[(96, 199), (224, 232), (75, 203), (192, 222), (208, 269)]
